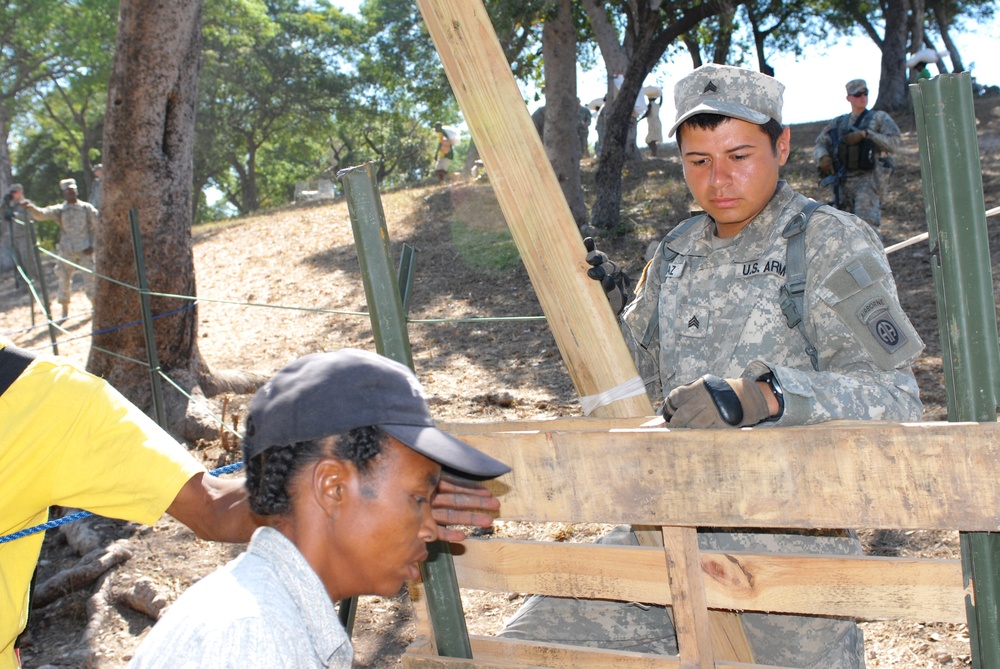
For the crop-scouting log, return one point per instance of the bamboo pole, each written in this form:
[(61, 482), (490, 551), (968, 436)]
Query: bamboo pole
[(549, 242)]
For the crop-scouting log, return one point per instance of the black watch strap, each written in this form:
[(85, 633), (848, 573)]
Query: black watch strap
[(779, 395)]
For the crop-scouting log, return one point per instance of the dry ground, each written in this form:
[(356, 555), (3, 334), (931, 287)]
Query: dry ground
[(480, 370)]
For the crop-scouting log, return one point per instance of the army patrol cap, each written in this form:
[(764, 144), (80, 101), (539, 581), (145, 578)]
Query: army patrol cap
[(855, 85), (728, 91), (67, 183)]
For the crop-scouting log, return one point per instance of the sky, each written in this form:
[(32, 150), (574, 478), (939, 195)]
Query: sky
[(814, 84)]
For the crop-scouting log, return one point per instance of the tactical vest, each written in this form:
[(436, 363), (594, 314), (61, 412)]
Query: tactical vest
[(860, 156), (792, 294)]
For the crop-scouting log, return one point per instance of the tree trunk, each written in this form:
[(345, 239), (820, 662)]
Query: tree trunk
[(650, 35), (724, 38), (943, 20), (562, 107), (892, 92), (149, 163), (915, 27), (691, 42)]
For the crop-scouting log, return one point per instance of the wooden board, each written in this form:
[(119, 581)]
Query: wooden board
[(494, 653), (933, 476), (921, 590), (687, 594)]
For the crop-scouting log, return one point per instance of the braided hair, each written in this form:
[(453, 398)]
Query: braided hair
[(270, 472)]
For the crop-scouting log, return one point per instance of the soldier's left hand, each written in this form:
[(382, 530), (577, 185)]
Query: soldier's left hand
[(459, 501), (615, 282), (713, 402), (855, 137), (826, 166)]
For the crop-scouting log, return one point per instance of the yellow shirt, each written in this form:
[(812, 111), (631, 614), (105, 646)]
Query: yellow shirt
[(69, 438)]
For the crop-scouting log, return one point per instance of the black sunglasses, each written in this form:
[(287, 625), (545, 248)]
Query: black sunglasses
[(860, 94)]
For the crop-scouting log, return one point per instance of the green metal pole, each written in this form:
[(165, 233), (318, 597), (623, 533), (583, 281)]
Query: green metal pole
[(385, 305), (33, 236), (147, 320), (966, 309)]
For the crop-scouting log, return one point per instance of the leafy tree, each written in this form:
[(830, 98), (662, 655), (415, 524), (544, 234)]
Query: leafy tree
[(149, 146), (949, 14), (268, 74), (28, 50), (398, 91), (904, 23), (74, 95), (650, 27)]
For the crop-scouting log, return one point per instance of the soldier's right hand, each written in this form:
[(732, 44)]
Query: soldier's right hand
[(855, 137), (826, 165), (614, 280)]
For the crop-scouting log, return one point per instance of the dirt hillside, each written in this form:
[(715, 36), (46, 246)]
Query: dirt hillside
[(477, 363)]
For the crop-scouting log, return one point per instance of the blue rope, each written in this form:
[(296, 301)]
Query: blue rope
[(52, 524)]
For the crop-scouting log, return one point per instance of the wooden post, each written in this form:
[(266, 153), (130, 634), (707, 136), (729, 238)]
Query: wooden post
[(584, 327)]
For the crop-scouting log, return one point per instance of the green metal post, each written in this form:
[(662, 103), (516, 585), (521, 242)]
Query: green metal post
[(391, 339), (966, 309), (44, 293), (147, 320), (405, 276)]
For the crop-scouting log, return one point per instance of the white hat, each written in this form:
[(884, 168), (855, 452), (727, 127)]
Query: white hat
[(67, 183)]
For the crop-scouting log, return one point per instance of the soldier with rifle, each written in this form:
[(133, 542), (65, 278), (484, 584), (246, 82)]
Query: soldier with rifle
[(854, 155)]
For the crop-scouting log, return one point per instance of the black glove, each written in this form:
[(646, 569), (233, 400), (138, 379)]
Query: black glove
[(614, 280), (712, 401)]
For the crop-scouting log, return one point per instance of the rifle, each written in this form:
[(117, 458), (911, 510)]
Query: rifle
[(837, 178)]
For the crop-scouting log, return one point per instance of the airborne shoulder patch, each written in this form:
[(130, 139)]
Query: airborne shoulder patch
[(876, 316)]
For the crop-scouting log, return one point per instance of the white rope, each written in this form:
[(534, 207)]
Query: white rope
[(630, 388), (924, 235)]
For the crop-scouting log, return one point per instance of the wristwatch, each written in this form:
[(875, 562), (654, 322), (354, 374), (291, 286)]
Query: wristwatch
[(772, 382)]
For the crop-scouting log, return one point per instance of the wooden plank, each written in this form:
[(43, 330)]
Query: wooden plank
[(690, 606), (921, 590), (898, 476), (529, 195), (567, 424), (493, 653)]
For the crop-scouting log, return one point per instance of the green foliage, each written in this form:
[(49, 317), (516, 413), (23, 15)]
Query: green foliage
[(292, 90), (479, 232), (269, 79), (55, 62)]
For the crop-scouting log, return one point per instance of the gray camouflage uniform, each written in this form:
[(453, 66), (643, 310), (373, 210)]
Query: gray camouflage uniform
[(862, 190), (77, 223), (718, 312)]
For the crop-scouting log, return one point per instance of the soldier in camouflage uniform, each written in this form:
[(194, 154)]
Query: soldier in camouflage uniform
[(706, 328), (854, 155), (77, 220), (14, 218)]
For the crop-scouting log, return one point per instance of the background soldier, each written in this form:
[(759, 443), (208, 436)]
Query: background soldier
[(77, 220), (854, 155), (14, 218)]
